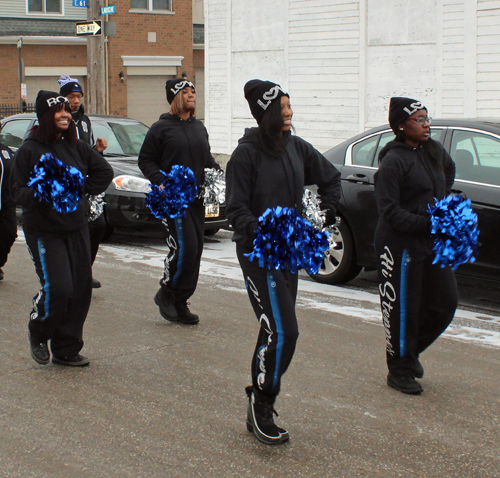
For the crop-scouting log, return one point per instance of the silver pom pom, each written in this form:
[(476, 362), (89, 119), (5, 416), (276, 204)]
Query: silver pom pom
[(96, 206), (311, 210), (213, 190)]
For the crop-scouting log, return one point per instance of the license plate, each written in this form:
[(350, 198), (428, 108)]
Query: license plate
[(212, 210)]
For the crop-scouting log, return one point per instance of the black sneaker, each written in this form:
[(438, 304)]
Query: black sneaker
[(418, 370), (74, 361), (95, 284), (39, 351), (260, 420), (184, 315), (404, 383), (167, 308)]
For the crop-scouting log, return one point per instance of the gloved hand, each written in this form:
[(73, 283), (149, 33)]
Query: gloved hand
[(330, 217)]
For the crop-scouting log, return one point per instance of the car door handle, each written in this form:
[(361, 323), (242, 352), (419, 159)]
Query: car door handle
[(358, 178), (459, 193)]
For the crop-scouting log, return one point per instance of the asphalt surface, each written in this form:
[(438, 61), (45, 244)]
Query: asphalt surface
[(165, 400)]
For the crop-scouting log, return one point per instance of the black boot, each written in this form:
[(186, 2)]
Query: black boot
[(39, 350), (165, 303), (260, 419), (404, 383), (184, 315)]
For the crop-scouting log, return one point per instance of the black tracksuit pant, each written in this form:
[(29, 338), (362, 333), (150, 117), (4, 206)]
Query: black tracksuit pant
[(62, 263), (272, 295), (184, 237), (8, 233), (418, 301), (97, 229)]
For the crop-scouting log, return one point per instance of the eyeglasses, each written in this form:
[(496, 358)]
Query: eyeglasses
[(421, 120)]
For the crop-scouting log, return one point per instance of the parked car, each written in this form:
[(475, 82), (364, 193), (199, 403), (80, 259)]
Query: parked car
[(125, 207), (473, 144)]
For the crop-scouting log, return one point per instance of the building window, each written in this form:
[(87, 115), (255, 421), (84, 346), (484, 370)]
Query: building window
[(45, 6), (151, 5)]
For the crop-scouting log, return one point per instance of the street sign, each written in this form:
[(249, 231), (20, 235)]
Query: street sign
[(89, 28), (80, 3), (19, 43), (108, 10), (24, 91)]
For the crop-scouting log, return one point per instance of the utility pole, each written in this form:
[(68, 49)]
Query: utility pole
[(96, 63)]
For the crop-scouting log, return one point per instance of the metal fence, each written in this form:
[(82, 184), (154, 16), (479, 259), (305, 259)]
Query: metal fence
[(13, 109)]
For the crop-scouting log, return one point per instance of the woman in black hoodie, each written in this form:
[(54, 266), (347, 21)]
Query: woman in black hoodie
[(270, 168), (178, 138), (418, 299), (58, 242)]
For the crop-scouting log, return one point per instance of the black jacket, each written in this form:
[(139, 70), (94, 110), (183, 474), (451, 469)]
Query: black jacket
[(256, 181), (7, 204), (83, 126), (174, 141), (40, 216), (406, 183)]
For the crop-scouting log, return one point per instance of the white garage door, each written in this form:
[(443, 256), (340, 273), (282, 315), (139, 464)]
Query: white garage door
[(146, 99), (36, 83)]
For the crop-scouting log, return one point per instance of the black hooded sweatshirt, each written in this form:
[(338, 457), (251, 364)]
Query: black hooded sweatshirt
[(406, 183), (256, 181), (39, 216), (83, 126), (175, 141)]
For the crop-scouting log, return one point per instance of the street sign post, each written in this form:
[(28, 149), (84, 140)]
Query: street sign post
[(89, 28), (108, 10)]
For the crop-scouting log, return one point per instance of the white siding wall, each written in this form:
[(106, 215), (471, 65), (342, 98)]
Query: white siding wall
[(488, 58), (342, 60), (324, 55)]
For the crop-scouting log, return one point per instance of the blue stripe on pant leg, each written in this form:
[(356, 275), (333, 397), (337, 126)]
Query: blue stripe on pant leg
[(402, 301), (179, 227), (279, 325), (45, 287)]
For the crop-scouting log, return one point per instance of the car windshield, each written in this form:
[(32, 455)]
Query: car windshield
[(123, 138)]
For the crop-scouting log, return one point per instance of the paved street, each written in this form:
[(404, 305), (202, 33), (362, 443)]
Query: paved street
[(164, 400)]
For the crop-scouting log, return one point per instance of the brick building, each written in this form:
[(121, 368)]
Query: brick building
[(154, 41)]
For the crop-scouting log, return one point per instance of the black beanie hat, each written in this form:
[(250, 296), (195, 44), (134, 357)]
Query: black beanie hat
[(69, 85), (45, 100), (401, 108), (172, 87), (260, 94)]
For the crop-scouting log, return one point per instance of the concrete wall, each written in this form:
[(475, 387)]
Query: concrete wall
[(342, 60)]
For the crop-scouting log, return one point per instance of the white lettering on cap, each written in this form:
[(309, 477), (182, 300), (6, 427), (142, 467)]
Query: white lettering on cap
[(270, 95), (180, 86), (416, 106), (54, 101)]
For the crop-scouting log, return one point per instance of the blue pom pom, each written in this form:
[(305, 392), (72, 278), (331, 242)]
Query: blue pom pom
[(286, 241), (455, 233), (178, 192), (56, 183)]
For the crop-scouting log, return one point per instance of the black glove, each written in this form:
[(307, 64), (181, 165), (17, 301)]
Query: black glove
[(330, 217)]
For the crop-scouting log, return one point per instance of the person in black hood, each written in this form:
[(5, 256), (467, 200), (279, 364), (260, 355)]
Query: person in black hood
[(418, 298), (270, 168), (8, 223), (178, 138), (72, 90), (58, 242)]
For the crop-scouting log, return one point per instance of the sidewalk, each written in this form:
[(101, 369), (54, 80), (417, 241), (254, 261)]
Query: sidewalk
[(163, 400)]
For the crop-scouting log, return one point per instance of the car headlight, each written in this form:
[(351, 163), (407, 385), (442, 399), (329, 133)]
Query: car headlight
[(132, 183)]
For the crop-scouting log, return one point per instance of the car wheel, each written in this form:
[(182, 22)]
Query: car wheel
[(211, 232), (339, 262)]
